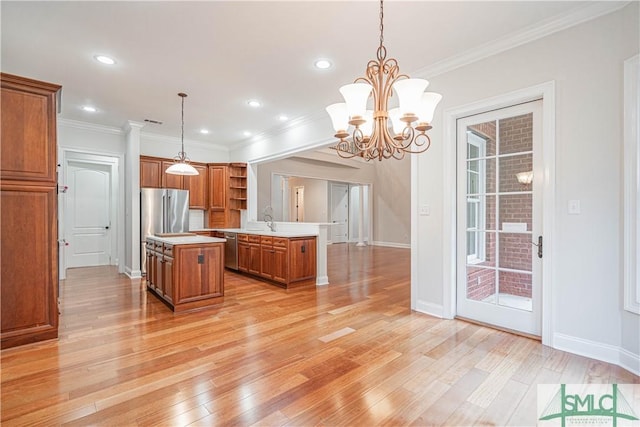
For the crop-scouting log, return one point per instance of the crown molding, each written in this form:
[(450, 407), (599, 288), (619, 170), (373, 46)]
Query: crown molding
[(174, 140), (528, 34), (76, 124), (279, 130)]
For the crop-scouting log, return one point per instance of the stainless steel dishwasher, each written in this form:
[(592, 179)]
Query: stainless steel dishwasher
[(231, 251)]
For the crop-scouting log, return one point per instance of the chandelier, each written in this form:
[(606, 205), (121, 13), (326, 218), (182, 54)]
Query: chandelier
[(181, 164), (371, 137)]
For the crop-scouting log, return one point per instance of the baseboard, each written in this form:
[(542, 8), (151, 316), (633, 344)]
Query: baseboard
[(322, 280), (133, 274), (630, 361), (430, 308), (392, 244), (595, 350)]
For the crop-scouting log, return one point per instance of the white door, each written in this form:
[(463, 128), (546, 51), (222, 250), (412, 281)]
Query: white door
[(339, 212), (499, 220), (88, 214)]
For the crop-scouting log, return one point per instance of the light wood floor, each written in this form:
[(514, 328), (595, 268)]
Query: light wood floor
[(351, 353)]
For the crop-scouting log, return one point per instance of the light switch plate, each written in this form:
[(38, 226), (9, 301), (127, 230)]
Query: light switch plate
[(425, 210), (574, 207)]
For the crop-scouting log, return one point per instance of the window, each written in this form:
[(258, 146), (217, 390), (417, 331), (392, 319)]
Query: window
[(476, 188)]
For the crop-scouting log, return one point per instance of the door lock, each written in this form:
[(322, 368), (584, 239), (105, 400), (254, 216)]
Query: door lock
[(539, 245)]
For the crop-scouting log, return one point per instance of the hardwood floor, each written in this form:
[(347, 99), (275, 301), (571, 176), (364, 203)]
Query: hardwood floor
[(351, 353)]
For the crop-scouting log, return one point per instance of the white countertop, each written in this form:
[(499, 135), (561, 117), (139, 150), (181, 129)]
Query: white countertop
[(187, 240), (260, 232)]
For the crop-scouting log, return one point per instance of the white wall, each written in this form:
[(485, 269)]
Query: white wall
[(167, 147), (392, 202), (586, 63)]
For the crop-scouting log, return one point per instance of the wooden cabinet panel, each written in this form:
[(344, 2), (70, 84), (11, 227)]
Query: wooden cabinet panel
[(200, 273), (243, 256), (266, 261), (197, 186), (158, 283), (217, 186), (169, 180), (29, 264), (150, 173), (168, 279), (280, 265), (255, 265), (302, 259), (28, 121)]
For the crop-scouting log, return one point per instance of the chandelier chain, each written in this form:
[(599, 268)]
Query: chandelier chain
[(381, 23)]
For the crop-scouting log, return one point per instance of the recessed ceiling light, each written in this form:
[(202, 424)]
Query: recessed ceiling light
[(322, 64), (283, 118), (254, 103), (89, 109), (204, 131), (246, 133), (105, 59)]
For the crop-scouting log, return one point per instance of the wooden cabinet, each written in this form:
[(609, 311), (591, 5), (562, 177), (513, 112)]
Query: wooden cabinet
[(187, 276), (170, 180), (150, 173), (237, 186), (249, 254), (219, 188), (227, 194), (286, 261), (197, 186), (153, 175), (302, 259), (28, 149), (28, 211)]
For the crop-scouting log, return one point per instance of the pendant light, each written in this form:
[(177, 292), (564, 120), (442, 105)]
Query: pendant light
[(181, 164)]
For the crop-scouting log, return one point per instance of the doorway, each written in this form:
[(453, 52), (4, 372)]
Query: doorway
[(499, 217), (89, 214), (339, 208), (298, 204)]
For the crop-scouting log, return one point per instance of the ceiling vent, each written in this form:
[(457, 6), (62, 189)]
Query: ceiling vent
[(154, 122)]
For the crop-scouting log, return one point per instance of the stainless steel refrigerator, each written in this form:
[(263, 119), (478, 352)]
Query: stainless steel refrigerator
[(161, 211)]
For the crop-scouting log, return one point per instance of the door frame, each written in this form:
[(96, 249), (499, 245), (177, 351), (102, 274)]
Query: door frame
[(546, 92), (116, 162)]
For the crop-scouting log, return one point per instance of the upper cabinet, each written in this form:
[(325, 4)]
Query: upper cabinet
[(197, 186), (227, 194), (28, 149), (153, 175), (150, 173)]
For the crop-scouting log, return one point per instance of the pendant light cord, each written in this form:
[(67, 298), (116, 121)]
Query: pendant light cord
[(182, 153)]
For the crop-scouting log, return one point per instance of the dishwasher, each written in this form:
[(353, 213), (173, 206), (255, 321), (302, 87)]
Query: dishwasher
[(231, 251)]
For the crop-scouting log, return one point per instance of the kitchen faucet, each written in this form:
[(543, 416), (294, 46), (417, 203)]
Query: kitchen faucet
[(267, 214)]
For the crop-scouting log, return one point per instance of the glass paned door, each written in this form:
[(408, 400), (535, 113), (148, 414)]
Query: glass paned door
[(499, 216)]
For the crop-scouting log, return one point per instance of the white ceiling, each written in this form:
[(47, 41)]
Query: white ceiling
[(224, 53)]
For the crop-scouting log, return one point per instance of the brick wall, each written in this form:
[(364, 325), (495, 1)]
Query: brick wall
[(515, 249)]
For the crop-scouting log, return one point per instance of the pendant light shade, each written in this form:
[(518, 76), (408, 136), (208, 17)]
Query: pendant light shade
[(181, 164)]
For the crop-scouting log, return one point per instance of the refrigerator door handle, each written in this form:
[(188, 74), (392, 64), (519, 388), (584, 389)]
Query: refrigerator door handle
[(164, 213)]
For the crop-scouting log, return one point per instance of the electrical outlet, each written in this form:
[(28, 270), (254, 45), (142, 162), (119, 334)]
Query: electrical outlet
[(424, 210)]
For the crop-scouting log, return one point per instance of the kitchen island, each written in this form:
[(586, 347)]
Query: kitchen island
[(186, 272)]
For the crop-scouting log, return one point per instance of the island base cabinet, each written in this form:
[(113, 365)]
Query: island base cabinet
[(187, 277), (200, 278)]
